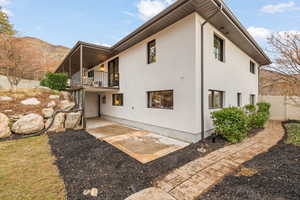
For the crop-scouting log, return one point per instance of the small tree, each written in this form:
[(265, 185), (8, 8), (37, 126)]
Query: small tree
[(5, 26)]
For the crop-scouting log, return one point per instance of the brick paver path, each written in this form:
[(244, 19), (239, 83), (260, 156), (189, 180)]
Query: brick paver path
[(191, 180)]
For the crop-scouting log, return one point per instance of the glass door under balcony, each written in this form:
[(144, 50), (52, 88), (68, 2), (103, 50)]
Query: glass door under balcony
[(113, 73)]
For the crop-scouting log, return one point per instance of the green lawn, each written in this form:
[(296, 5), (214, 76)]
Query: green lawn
[(27, 171), (293, 130)]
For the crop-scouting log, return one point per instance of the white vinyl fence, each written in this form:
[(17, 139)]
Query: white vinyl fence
[(283, 107)]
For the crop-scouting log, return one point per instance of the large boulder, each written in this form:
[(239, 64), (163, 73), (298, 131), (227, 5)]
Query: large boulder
[(66, 105), (47, 112), (28, 124), (30, 101), (66, 95), (4, 126), (72, 120), (51, 104), (58, 123), (54, 97), (5, 98)]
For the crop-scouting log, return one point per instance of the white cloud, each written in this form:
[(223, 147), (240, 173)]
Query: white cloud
[(259, 33), (280, 8), (149, 8), (4, 2), (129, 13)]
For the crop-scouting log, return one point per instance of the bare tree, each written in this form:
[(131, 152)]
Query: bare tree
[(285, 48), (11, 59)]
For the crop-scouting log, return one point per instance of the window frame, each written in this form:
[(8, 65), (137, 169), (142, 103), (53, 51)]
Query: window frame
[(113, 99), (239, 99), (252, 67), (149, 104), (212, 103), (149, 58), (222, 59), (254, 98)]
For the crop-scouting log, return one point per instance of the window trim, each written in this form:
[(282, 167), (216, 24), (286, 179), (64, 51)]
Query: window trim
[(122, 99), (148, 99), (254, 67), (239, 99), (148, 51), (223, 47), (222, 99)]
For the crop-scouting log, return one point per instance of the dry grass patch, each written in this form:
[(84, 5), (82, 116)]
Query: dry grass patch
[(246, 172), (27, 171)]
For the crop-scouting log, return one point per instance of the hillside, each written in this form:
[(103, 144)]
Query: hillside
[(40, 55)]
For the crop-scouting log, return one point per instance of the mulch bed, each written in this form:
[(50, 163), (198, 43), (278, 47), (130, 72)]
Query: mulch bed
[(86, 163), (277, 177)]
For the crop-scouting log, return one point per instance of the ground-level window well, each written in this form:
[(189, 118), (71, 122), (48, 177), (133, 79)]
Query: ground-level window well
[(160, 99)]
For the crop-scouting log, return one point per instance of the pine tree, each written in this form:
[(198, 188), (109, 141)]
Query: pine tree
[(5, 26)]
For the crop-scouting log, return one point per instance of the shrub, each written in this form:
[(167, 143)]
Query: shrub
[(258, 119), (250, 108), (264, 107), (55, 81), (231, 123)]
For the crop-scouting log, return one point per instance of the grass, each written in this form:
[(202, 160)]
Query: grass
[(27, 171), (293, 130)]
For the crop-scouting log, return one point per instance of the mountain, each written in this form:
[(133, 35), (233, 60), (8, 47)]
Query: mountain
[(272, 83), (38, 56)]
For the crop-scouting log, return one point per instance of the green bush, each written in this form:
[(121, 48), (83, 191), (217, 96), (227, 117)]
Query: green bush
[(231, 123), (264, 107), (258, 119), (55, 81), (250, 108)]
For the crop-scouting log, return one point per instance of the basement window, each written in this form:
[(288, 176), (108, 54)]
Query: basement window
[(161, 99), (117, 99), (215, 99), (219, 48)]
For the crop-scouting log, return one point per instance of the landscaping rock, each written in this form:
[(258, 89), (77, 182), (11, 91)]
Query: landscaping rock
[(54, 97), (30, 101), (94, 192), (6, 98), (4, 126), (66, 95), (58, 123), (47, 112), (15, 117), (66, 105), (51, 104), (72, 120), (151, 193), (28, 124)]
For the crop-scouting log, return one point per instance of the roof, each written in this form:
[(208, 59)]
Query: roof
[(224, 21)]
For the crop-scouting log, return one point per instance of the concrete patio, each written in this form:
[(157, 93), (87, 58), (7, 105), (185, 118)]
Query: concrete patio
[(141, 145)]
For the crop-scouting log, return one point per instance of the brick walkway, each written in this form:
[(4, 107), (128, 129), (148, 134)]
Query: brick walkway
[(191, 180)]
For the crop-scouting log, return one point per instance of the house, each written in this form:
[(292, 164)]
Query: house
[(168, 75)]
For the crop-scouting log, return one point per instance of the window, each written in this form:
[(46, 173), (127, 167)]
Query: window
[(215, 99), (252, 67), (113, 73), (239, 99), (91, 74), (252, 99), (219, 48), (160, 99), (104, 99), (151, 48), (117, 100)]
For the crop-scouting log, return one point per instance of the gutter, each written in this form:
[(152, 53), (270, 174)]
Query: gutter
[(202, 68)]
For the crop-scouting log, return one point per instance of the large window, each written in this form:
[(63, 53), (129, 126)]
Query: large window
[(252, 67), (117, 99), (113, 73), (215, 99), (151, 49), (239, 99), (160, 99), (219, 48), (252, 99)]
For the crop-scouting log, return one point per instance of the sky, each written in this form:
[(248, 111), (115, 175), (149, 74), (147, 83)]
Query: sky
[(105, 22)]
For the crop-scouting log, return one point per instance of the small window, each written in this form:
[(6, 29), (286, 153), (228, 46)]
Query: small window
[(239, 99), (252, 99), (151, 48), (219, 48), (117, 100), (91, 74), (215, 99), (160, 99), (252, 67)]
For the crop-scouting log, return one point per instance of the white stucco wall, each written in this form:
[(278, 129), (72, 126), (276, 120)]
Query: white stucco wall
[(231, 76), (91, 104), (174, 70)]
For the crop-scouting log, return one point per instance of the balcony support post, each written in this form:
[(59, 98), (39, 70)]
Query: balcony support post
[(81, 66)]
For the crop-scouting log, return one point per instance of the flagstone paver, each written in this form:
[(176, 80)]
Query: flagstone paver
[(198, 176)]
